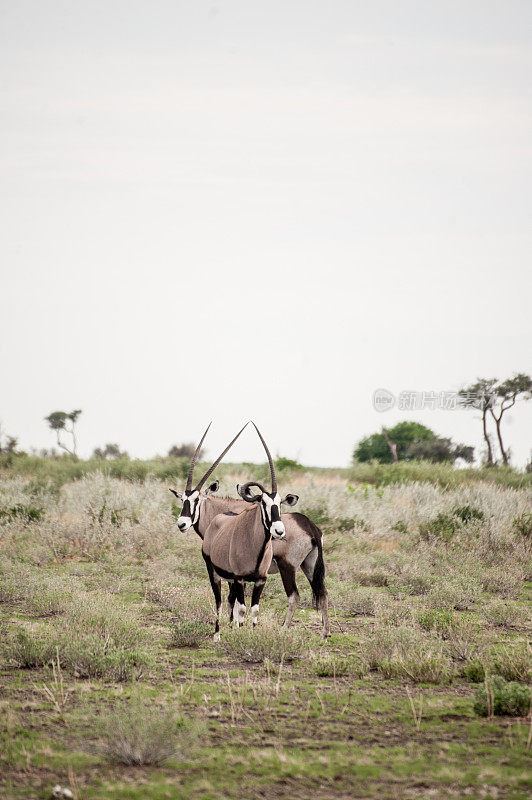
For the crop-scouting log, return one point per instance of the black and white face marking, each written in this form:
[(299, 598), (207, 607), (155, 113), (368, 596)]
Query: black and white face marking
[(270, 508), (190, 511), (192, 501)]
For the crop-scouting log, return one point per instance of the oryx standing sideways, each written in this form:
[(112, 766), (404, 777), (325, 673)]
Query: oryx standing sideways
[(238, 547), (301, 547)]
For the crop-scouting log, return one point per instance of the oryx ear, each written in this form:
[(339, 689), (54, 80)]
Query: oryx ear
[(177, 494), (245, 494), (290, 499), (212, 488)]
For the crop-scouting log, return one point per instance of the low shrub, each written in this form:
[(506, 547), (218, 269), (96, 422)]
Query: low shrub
[(461, 643), (377, 578), (328, 665), (264, 642), (400, 527), (497, 580), (402, 653), (513, 663), (442, 528), (26, 514), (350, 523), (102, 639), (319, 516), (436, 620), (460, 593), (140, 736), (361, 604), (89, 656), (28, 649), (505, 614), (413, 585), (467, 513), (499, 698), (522, 525), (474, 671), (420, 666), (190, 633)]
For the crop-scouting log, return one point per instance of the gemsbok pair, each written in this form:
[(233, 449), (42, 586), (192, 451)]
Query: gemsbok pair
[(242, 544)]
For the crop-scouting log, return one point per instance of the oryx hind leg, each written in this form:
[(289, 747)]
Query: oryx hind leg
[(255, 597), (288, 576), (216, 585)]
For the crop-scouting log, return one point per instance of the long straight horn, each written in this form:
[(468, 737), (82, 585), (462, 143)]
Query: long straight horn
[(213, 466), (270, 459), (194, 459)]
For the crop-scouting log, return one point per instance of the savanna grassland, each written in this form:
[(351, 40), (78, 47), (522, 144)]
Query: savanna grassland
[(111, 685)]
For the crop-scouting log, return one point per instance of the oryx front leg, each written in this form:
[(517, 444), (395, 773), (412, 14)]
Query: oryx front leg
[(231, 601), (216, 585), (255, 597), (240, 604)]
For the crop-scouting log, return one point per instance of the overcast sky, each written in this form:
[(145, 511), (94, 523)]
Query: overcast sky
[(261, 209)]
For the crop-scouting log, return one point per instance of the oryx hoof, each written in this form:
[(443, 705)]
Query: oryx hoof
[(216, 637)]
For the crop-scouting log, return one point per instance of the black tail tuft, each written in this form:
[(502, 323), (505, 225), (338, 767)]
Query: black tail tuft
[(318, 576), (316, 580)]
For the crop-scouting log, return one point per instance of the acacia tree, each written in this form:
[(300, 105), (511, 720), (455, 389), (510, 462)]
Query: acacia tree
[(58, 421), (507, 394), (480, 395), (409, 441), (391, 444)]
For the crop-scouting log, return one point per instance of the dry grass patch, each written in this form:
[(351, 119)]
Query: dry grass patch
[(265, 642), (144, 736)]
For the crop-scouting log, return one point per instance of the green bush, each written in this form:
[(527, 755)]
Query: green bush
[(467, 513), (502, 699), (441, 528)]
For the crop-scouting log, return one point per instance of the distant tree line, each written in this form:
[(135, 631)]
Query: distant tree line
[(412, 440)]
